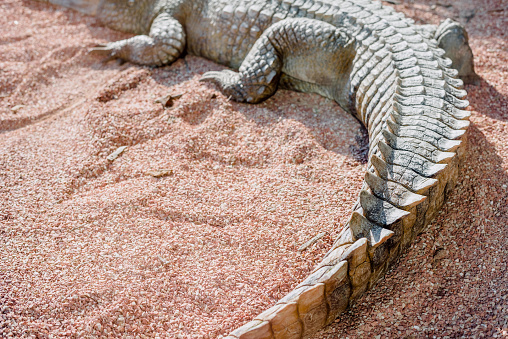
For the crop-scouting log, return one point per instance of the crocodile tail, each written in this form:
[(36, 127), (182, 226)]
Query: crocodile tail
[(417, 139), (411, 102)]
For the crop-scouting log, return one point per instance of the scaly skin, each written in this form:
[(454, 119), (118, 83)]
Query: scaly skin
[(376, 64)]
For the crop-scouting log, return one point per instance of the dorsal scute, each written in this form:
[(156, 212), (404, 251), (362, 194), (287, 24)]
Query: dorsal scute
[(379, 211), (361, 227), (444, 144), (430, 123), (410, 160), (404, 176), (417, 146), (392, 192)]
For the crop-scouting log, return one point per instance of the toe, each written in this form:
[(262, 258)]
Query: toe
[(105, 50), (210, 77)]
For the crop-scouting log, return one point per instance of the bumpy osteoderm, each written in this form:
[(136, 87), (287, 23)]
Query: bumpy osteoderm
[(400, 80)]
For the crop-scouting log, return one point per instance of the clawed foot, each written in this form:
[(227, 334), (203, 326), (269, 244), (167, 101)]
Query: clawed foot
[(229, 83)]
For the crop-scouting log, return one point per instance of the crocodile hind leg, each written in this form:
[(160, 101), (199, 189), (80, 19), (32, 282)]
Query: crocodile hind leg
[(310, 51), (453, 38), (163, 45)]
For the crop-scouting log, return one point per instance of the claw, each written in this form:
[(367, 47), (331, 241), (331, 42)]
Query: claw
[(229, 83), (221, 78), (84, 6), (106, 50), (209, 76), (101, 49), (225, 79)]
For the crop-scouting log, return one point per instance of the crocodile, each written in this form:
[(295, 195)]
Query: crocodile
[(404, 82)]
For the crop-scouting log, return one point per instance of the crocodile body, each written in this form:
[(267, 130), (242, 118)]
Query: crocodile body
[(375, 63)]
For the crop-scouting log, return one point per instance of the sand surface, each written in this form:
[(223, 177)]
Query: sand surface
[(195, 227)]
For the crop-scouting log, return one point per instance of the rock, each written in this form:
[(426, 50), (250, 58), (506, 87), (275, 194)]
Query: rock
[(116, 153), (161, 173), (17, 108)]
